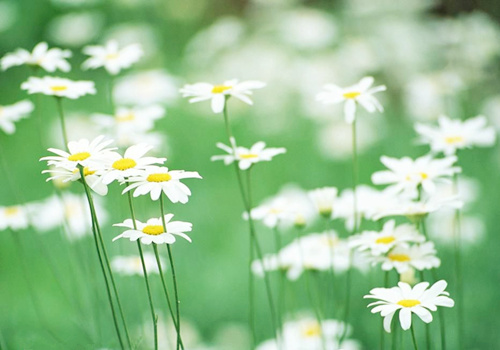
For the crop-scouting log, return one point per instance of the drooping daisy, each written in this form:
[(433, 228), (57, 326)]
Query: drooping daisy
[(92, 177), (59, 87), (323, 199), (361, 93), (111, 56), (453, 134), (391, 236), (155, 180), (132, 265), (406, 175), (152, 231), (218, 93), (132, 163), (48, 59), (92, 154), (247, 157), (14, 217), (418, 256), (13, 113), (418, 300)]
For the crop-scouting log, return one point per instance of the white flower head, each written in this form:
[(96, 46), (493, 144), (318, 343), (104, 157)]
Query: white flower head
[(59, 87), (324, 199), (130, 265), (361, 93), (13, 113), (246, 157), (93, 178), (135, 119), (419, 300), (453, 134), (14, 217), (418, 256), (111, 56), (48, 59), (155, 180), (153, 232), (219, 93)]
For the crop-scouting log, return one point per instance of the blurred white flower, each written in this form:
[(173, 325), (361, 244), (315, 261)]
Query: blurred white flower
[(59, 87), (132, 264), (13, 113), (139, 118), (48, 59), (14, 217), (324, 200), (111, 56), (8, 15), (145, 88), (417, 256), (442, 228), (137, 32), (75, 29)]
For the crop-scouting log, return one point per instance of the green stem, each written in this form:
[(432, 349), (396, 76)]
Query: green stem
[(251, 292), (63, 123), (174, 278), (382, 331), (427, 326), (459, 271), (281, 286), (413, 337)]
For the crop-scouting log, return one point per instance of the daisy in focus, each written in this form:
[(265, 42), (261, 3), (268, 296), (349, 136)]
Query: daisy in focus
[(112, 57), (361, 93), (453, 134), (43, 57), (418, 256), (154, 180), (419, 300), (218, 94), (13, 113), (59, 87), (13, 217), (246, 157), (153, 232)]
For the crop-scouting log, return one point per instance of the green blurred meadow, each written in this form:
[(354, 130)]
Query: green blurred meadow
[(52, 294)]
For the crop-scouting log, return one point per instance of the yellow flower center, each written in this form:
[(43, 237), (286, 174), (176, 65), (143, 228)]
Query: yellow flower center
[(111, 56), (424, 176), (153, 230), (77, 157), (351, 94), (58, 88), (219, 89), (409, 302), (312, 330), (385, 240), (159, 177), (124, 164), (275, 211), (11, 211), (125, 118), (86, 171), (399, 257), (453, 139), (248, 156)]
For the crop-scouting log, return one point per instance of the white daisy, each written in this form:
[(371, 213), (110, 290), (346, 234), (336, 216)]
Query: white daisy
[(391, 236), (359, 93), (324, 199), (12, 113), (92, 177), (218, 93), (407, 175), (111, 57), (48, 59), (155, 180), (13, 217), (418, 256), (246, 157), (152, 231), (453, 134), (418, 300), (131, 164), (140, 118), (59, 87), (132, 265)]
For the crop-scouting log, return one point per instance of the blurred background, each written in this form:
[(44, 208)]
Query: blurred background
[(436, 57)]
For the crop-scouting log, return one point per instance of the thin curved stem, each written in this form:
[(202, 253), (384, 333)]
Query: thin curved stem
[(413, 337)]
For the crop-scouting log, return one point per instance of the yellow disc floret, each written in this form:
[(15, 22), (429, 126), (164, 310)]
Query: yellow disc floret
[(409, 302), (399, 257), (248, 156), (312, 330), (153, 230), (124, 164), (385, 240), (351, 94), (219, 89), (58, 88), (77, 157), (11, 211), (453, 139), (159, 177)]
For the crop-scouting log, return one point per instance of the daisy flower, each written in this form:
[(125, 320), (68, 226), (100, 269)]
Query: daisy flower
[(218, 94), (12, 113), (153, 232), (391, 236), (418, 256), (132, 265), (131, 164), (407, 175), (92, 178), (92, 154), (140, 118), (246, 157), (419, 300), (361, 93), (453, 134), (323, 199), (111, 57), (59, 87), (155, 180), (48, 59), (14, 217)]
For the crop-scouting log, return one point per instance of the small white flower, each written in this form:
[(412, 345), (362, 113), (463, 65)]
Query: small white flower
[(59, 87), (13, 217), (42, 56), (407, 175), (246, 157), (324, 199), (140, 118), (218, 93), (418, 300), (451, 135), (361, 93), (132, 265), (155, 180), (111, 57), (92, 178), (153, 232), (418, 256), (13, 113)]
